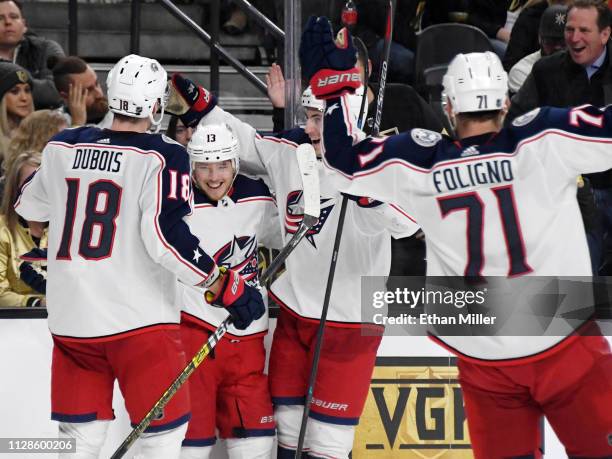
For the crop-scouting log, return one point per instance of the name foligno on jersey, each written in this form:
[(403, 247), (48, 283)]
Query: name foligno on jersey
[(93, 159), (472, 174)]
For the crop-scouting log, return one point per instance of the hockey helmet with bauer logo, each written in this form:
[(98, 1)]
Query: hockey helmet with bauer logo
[(134, 85), (475, 82)]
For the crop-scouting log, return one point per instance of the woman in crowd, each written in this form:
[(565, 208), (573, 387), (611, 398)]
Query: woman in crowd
[(15, 101), (177, 131), (21, 283), (33, 133)]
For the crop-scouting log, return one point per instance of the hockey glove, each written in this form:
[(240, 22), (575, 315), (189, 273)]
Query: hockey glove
[(33, 276), (328, 64), (35, 255), (189, 101), (243, 302)]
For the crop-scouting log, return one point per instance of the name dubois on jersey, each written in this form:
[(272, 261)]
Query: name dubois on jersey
[(101, 160), (472, 174)]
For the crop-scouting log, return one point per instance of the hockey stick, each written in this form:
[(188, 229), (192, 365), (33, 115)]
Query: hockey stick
[(332, 268), (307, 163)]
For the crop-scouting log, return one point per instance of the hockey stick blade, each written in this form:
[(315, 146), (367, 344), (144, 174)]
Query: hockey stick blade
[(307, 163)]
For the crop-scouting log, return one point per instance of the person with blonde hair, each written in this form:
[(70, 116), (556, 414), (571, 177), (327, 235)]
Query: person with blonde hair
[(33, 133), (15, 100), (19, 280)]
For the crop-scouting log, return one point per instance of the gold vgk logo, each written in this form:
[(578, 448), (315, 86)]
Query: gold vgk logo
[(414, 410), (22, 76)]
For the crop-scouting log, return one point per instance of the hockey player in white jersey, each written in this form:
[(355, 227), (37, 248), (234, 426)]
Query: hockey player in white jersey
[(232, 214), (115, 202), (365, 250), (512, 192)]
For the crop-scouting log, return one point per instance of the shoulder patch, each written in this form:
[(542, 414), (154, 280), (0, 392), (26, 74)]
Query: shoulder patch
[(424, 137), (526, 118)]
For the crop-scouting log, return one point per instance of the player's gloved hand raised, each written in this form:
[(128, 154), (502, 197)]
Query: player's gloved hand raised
[(188, 100), (243, 302), (33, 275), (328, 64)]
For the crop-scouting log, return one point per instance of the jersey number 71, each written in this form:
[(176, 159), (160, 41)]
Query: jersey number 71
[(474, 207)]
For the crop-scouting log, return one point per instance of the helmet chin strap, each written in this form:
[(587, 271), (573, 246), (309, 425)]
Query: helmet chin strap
[(452, 121), (157, 123), (234, 179)]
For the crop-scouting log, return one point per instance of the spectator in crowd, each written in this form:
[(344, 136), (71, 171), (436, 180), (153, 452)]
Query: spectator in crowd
[(178, 131), (551, 36), (33, 133), (525, 38), (577, 76), (28, 50), (371, 20), (490, 17), (83, 99), (22, 284), (15, 101)]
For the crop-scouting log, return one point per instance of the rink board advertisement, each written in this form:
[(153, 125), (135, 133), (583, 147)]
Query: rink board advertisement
[(414, 407), (414, 410)]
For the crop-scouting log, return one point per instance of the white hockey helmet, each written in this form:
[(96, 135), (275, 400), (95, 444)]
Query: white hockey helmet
[(354, 102), (475, 82), (310, 101), (134, 85), (214, 143)]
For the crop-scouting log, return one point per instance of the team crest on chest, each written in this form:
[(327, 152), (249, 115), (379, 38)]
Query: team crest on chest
[(295, 214), (240, 255)]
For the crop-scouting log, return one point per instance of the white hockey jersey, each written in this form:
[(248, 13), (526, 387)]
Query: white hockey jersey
[(115, 203), (230, 232), (366, 239), (498, 204)]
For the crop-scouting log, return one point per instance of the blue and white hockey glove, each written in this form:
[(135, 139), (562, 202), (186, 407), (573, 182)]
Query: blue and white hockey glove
[(328, 64), (243, 302), (190, 101)]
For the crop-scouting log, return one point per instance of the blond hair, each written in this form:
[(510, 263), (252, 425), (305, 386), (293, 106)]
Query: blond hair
[(33, 133), (7, 126), (11, 185)]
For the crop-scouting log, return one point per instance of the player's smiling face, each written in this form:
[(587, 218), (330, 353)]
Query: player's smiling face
[(214, 179), (314, 118), (585, 41)]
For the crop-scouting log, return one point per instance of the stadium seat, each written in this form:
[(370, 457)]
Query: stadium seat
[(436, 47)]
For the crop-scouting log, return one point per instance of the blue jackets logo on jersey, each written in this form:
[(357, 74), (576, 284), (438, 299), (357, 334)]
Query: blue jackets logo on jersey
[(241, 256), (295, 214)]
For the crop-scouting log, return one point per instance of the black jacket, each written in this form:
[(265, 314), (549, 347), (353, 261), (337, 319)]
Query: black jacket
[(32, 55), (524, 39), (488, 15), (557, 81)]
